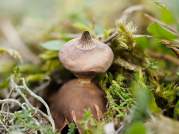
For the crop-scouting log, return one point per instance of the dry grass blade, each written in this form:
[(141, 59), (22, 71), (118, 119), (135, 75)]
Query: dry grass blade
[(173, 45), (164, 57), (126, 65), (153, 19)]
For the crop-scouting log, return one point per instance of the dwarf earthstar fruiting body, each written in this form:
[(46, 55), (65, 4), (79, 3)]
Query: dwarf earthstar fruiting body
[(85, 57)]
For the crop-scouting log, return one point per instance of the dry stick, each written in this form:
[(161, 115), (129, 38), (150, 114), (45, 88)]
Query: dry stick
[(164, 57), (12, 101), (3, 112), (126, 13), (9, 101), (123, 63), (114, 35), (8, 113), (118, 131), (42, 101), (165, 42), (173, 45), (1, 122), (142, 35), (42, 86), (17, 88), (38, 110), (132, 9), (161, 23), (25, 99), (38, 124), (15, 41)]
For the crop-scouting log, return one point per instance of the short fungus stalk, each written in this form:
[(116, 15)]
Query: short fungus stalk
[(85, 57)]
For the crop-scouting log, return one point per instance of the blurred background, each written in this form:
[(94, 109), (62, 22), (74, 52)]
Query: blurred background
[(31, 19), (25, 25)]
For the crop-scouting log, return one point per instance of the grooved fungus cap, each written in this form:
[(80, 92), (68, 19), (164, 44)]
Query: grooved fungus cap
[(86, 55)]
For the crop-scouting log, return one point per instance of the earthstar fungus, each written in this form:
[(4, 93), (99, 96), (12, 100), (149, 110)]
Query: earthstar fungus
[(85, 57)]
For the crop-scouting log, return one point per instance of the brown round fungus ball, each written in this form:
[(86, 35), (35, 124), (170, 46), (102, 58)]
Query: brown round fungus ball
[(86, 55), (76, 96)]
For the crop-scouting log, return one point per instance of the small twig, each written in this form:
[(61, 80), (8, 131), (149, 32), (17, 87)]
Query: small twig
[(24, 87), (164, 57), (1, 123), (173, 45), (123, 63), (125, 14), (42, 101), (114, 35), (132, 9), (153, 19), (118, 131), (38, 124), (16, 88), (6, 113), (50, 119), (12, 101), (141, 35), (42, 86)]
